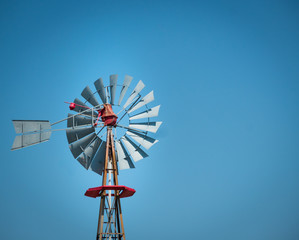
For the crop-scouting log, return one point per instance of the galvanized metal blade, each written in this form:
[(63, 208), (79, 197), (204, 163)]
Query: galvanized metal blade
[(99, 85), (86, 157), (88, 95), (135, 152), (146, 126), (74, 134), (78, 120), (81, 109), (145, 141), (98, 162), (147, 99), (113, 84), (78, 147), (153, 112), (125, 87), (124, 160), (24, 126), (27, 140), (140, 85)]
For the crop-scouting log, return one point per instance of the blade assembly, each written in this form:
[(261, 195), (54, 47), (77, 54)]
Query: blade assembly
[(99, 85), (98, 162), (78, 147), (125, 87), (135, 152), (113, 84), (145, 141), (74, 134), (153, 112), (88, 95), (78, 120), (80, 107), (147, 99), (88, 154), (124, 160), (140, 85), (146, 126)]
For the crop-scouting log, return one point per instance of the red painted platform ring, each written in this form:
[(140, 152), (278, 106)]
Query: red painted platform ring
[(96, 192)]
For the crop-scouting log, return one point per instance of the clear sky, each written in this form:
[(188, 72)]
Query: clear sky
[(226, 76)]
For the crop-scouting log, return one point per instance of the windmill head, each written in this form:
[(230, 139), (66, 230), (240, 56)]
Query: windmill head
[(92, 116)]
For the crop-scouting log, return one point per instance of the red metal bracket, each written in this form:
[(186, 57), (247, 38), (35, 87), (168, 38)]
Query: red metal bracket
[(96, 192)]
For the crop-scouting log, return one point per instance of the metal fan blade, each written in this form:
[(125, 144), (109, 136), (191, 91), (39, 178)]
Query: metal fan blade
[(86, 157), (153, 112), (113, 83), (135, 152), (78, 120), (27, 140), (101, 89), (146, 126), (98, 162), (125, 87), (124, 160), (140, 85), (147, 99), (88, 95), (81, 109), (78, 146), (75, 134), (143, 140), (24, 126)]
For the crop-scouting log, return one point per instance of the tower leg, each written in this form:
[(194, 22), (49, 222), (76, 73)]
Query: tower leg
[(101, 218), (110, 225), (121, 218)]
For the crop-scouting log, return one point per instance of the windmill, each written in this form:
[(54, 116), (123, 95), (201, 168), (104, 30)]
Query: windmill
[(92, 133)]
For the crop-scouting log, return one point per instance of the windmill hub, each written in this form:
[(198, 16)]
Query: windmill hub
[(108, 116)]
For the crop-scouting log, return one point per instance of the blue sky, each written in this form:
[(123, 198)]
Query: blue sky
[(226, 76)]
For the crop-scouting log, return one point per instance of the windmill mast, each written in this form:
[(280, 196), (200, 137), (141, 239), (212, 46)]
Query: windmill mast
[(110, 224)]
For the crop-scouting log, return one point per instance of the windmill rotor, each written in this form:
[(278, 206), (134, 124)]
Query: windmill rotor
[(84, 121)]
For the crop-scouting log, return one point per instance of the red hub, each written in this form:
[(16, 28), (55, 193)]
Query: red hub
[(108, 116)]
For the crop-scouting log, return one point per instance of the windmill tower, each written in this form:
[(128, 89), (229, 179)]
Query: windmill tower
[(92, 137)]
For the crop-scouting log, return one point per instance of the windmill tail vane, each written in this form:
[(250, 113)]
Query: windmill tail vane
[(85, 132)]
